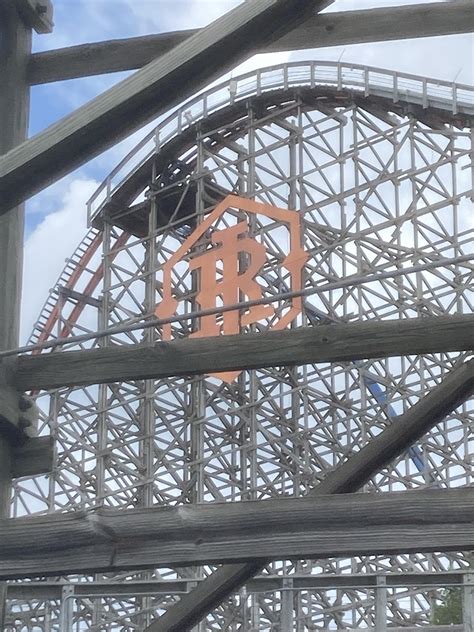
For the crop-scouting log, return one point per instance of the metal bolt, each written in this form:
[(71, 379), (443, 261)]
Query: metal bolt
[(25, 403)]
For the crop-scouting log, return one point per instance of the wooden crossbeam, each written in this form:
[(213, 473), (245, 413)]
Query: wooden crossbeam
[(33, 457), (136, 100), (330, 29), (306, 345), (348, 477), (50, 590), (321, 526)]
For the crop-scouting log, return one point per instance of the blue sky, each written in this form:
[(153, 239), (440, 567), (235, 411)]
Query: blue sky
[(56, 217)]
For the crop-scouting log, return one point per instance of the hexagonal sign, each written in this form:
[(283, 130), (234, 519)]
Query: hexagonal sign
[(227, 266)]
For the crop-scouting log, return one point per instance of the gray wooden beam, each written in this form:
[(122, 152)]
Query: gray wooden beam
[(37, 14), (138, 99), (264, 583), (15, 49), (330, 29), (306, 345), (347, 477), (33, 457), (322, 526)]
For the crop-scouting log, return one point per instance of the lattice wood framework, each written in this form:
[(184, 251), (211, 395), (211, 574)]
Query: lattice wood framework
[(378, 166)]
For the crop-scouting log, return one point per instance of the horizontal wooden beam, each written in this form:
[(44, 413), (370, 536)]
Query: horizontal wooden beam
[(307, 345), (122, 109), (49, 590), (330, 29), (455, 388), (321, 526), (33, 457)]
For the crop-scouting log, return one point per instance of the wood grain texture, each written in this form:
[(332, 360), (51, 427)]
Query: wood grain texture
[(330, 29), (324, 343), (105, 120), (455, 388), (37, 15), (339, 525), (34, 457), (15, 49)]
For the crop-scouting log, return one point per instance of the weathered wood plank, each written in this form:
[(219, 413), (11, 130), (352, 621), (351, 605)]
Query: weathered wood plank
[(34, 457), (331, 29), (37, 15), (348, 477), (340, 525), (15, 49), (138, 99), (18, 413), (324, 343)]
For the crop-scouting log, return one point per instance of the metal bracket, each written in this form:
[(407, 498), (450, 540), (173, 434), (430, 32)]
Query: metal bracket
[(37, 14)]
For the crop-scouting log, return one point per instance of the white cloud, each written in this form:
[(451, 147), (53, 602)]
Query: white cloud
[(63, 205), (49, 245), (447, 58)]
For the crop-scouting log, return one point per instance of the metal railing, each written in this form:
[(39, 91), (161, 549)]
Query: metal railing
[(397, 86), (383, 588)]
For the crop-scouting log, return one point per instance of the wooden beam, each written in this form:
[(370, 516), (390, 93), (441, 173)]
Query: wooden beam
[(37, 14), (330, 29), (15, 50), (15, 47), (138, 99), (50, 590), (18, 413), (277, 529), (350, 476), (34, 457), (306, 345)]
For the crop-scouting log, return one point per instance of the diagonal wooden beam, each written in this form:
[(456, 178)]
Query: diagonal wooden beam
[(276, 529), (330, 29), (135, 101), (455, 388), (305, 345)]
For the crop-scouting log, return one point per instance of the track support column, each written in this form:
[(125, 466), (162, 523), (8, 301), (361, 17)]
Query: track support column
[(17, 19), (15, 49), (468, 602)]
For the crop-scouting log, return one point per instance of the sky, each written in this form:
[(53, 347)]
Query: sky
[(56, 218)]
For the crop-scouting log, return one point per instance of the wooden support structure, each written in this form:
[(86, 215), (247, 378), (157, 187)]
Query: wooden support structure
[(149, 92), (330, 29), (37, 14), (316, 526), (33, 457), (15, 49), (307, 345), (263, 583), (257, 532), (348, 477)]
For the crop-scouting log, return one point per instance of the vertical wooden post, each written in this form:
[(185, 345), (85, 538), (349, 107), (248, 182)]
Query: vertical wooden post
[(287, 605), (15, 49), (468, 602), (381, 604)]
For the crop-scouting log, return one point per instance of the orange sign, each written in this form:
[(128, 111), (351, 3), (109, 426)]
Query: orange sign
[(227, 272)]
